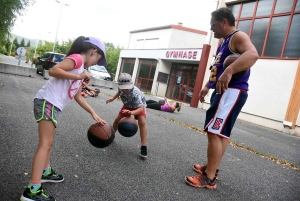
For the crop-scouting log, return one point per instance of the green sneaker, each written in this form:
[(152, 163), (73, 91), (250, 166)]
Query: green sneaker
[(52, 177), (39, 195)]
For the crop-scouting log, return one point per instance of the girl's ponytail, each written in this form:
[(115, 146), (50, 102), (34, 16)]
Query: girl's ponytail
[(77, 46)]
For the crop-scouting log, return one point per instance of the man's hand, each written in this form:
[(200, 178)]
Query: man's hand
[(224, 79), (203, 93)]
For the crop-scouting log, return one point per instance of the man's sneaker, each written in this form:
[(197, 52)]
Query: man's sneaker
[(143, 152), (200, 169), (39, 195), (201, 181), (52, 177)]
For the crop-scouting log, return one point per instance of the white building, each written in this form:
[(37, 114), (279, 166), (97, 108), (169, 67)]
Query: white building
[(164, 60), (173, 61)]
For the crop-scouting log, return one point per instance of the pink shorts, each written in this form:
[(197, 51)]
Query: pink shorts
[(131, 109)]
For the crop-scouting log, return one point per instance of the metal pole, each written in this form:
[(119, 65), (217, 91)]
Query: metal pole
[(11, 44), (58, 24), (36, 48)]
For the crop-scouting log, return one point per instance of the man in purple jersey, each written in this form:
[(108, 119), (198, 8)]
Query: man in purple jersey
[(229, 96)]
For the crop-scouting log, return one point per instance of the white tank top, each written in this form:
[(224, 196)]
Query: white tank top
[(60, 92)]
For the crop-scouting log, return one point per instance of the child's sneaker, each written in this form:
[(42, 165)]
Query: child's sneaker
[(143, 152), (52, 177), (179, 107), (201, 181), (84, 94), (39, 195)]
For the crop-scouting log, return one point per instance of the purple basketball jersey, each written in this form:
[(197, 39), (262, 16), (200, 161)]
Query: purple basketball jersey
[(223, 51)]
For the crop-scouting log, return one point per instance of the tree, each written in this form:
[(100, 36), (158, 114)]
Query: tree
[(109, 46), (28, 43), (16, 43), (112, 58), (22, 43), (112, 52), (10, 10), (64, 47), (8, 44)]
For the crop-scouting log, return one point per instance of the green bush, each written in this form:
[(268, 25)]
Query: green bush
[(3, 50)]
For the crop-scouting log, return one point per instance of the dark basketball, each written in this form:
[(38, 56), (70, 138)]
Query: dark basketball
[(101, 136), (229, 60), (127, 127)]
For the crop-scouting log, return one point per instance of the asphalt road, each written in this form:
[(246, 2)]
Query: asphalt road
[(118, 173)]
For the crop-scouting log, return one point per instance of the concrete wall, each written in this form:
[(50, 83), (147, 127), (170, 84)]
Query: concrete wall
[(103, 83), (159, 89), (166, 38), (162, 35), (270, 86), (184, 39), (31, 72), (17, 70)]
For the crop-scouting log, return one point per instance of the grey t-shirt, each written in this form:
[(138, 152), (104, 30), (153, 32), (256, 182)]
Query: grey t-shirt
[(134, 99)]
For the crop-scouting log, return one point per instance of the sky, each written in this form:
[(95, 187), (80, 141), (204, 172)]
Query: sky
[(109, 20)]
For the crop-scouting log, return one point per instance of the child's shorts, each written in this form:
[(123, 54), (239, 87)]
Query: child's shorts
[(43, 110), (128, 115), (223, 111)]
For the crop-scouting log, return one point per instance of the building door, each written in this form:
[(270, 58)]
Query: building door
[(181, 82)]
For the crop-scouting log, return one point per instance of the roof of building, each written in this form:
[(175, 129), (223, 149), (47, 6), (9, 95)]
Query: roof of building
[(179, 27)]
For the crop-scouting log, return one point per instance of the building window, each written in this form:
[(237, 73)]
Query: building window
[(127, 66), (145, 74), (272, 25)]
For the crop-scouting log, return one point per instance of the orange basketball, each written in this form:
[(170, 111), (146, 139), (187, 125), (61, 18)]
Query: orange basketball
[(229, 60), (100, 136)]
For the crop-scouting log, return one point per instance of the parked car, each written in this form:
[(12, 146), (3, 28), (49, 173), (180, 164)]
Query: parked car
[(47, 61), (99, 72)]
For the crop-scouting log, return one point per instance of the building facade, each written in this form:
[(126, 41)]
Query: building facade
[(178, 61), (164, 60)]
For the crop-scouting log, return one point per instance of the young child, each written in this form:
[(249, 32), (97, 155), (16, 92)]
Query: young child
[(134, 104), (163, 105), (51, 99), (87, 90)]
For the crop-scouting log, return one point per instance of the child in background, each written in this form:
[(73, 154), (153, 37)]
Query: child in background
[(163, 105), (64, 85), (134, 104), (87, 90)]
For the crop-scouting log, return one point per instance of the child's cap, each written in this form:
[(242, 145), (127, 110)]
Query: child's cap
[(100, 44), (125, 81)]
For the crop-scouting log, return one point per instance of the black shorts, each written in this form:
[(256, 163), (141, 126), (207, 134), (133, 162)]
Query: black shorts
[(223, 111)]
